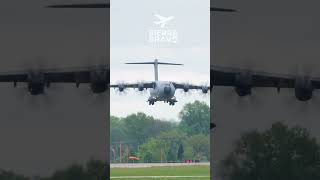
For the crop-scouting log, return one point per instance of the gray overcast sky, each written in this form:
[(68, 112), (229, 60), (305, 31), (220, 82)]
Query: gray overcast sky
[(274, 36), (41, 134), (130, 23)]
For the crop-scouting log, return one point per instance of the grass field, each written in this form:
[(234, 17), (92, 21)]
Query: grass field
[(162, 173)]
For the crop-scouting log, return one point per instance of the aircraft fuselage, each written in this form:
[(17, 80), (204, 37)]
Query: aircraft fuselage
[(162, 91)]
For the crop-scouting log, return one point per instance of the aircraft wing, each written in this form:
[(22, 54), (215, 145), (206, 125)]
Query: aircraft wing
[(141, 85), (186, 86), (59, 75), (92, 5), (226, 76)]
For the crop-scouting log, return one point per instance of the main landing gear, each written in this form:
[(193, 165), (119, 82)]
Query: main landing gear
[(172, 101)]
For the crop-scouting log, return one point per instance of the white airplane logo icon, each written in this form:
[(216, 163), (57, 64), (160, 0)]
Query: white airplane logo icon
[(162, 20)]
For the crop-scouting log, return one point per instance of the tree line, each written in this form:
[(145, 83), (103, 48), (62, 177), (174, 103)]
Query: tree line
[(280, 152), (156, 140), (92, 170)]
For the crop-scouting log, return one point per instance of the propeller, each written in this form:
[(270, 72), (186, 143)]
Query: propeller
[(34, 100), (302, 72), (35, 65), (95, 99), (186, 88), (140, 89), (205, 90), (96, 63), (40, 63), (254, 97), (121, 89)]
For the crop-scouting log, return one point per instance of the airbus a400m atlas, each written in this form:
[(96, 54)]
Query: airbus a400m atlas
[(160, 90)]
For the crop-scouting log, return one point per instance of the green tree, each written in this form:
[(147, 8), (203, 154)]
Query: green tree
[(74, 172), (96, 169), (151, 151), (278, 153), (188, 153), (165, 146), (171, 141), (117, 129), (180, 153), (139, 127), (134, 130), (195, 118), (9, 175), (200, 146), (93, 170)]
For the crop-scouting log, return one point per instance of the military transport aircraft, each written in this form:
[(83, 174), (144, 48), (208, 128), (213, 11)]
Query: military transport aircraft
[(39, 79), (160, 90), (243, 80)]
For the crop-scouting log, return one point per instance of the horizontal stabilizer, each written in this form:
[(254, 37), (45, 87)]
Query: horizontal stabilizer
[(155, 63), (222, 9), (97, 5), (164, 63)]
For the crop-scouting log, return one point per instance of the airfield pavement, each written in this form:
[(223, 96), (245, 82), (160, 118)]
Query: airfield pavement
[(149, 165), (160, 171)]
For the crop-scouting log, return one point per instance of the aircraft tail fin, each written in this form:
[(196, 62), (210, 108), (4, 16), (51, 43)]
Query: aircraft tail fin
[(156, 63)]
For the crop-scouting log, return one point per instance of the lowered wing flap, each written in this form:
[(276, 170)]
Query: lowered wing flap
[(133, 85)]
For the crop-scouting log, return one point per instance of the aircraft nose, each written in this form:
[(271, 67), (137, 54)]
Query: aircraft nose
[(167, 90)]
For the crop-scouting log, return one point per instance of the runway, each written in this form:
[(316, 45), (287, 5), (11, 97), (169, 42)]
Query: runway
[(156, 177), (149, 165)]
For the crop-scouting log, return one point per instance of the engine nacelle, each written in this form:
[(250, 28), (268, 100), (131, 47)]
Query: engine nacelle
[(140, 87), (98, 81), (205, 89), (36, 83), (186, 87), (243, 83), (303, 88), (121, 87), (36, 88)]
